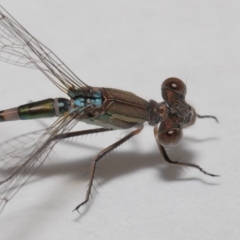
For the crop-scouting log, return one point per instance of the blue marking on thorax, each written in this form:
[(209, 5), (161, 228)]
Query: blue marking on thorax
[(81, 102), (82, 99), (97, 94), (98, 102)]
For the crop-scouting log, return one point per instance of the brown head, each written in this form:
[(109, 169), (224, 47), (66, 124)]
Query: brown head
[(178, 114)]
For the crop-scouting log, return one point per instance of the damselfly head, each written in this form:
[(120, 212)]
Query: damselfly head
[(179, 114)]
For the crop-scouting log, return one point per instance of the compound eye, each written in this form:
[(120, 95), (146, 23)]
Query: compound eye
[(175, 84), (170, 138)]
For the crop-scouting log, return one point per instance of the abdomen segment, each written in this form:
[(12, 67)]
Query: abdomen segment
[(41, 109)]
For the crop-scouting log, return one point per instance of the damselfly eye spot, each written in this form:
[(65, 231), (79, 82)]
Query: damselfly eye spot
[(170, 138), (175, 84)]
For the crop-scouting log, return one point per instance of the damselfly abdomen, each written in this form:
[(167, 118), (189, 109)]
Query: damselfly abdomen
[(109, 108)]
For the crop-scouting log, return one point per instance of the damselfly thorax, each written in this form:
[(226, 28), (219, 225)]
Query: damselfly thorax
[(109, 108)]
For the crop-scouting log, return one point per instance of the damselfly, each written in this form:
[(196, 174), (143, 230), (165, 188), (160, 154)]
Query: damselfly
[(109, 108)]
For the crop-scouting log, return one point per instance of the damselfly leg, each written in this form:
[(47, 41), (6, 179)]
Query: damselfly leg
[(177, 163), (99, 156), (80, 133)]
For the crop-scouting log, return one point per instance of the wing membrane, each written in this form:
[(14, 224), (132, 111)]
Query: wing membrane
[(19, 47)]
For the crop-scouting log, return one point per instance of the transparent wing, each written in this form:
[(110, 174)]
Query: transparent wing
[(19, 47), (22, 156)]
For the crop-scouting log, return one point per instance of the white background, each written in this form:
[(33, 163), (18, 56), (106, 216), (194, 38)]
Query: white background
[(133, 45)]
